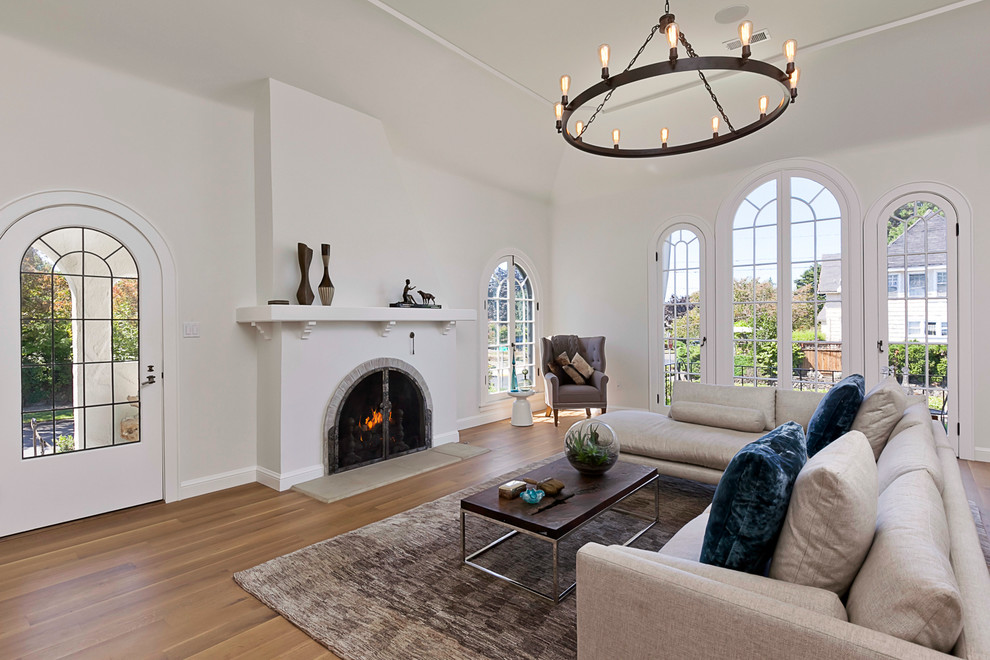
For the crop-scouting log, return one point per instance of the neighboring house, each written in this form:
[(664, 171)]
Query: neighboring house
[(830, 284), (917, 272)]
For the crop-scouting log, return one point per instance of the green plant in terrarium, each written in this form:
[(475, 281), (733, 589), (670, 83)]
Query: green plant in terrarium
[(591, 447)]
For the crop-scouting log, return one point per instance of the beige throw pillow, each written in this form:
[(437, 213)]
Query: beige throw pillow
[(572, 373), (723, 417), (585, 369), (906, 587), (880, 412), (911, 449), (831, 517)]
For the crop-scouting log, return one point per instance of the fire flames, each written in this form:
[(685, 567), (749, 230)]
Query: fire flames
[(375, 419)]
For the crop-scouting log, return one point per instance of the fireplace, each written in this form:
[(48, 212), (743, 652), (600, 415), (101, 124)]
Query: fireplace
[(381, 410)]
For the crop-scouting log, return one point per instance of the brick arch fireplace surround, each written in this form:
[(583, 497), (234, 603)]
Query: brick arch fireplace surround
[(381, 409)]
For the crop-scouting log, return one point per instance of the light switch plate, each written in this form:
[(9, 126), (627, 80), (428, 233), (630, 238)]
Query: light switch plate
[(190, 329)]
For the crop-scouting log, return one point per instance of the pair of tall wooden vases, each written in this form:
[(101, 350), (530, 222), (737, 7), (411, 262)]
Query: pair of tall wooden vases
[(304, 294)]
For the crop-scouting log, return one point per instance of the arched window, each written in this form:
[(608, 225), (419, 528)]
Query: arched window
[(683, 307), (788, 303), (79, 343), (511, 308)]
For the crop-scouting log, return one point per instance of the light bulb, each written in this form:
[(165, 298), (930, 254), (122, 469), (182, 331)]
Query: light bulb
[(615, 138), (790, 50), (715, 126), (663, 136), (603, 53), (672, 34), (745, 35), (763, 105), (559, 110), (565, 84), (794, 78), (745, 32), (578, 129)]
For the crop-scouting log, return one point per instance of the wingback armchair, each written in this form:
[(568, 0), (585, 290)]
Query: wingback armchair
[(592, 394)]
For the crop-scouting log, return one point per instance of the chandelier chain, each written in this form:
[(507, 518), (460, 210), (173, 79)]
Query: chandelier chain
[(701, 74), (628, 66)]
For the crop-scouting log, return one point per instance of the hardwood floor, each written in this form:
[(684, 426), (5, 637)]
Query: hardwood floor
[(155, 580)]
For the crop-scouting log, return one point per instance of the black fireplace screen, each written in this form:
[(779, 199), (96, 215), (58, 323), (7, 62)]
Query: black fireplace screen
[(383, 416)]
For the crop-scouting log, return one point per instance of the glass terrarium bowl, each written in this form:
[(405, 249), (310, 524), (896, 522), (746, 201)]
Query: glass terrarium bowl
[(591, 447)]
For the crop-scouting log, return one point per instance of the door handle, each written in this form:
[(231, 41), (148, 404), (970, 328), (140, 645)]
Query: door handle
[(149, 381)]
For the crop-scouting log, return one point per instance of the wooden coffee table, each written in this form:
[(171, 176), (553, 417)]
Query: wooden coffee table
[(592, 497)]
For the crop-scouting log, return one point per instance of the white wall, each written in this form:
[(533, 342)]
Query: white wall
[(184, 164), (466, 224), (619, 287), (334, 180), (327, 173)]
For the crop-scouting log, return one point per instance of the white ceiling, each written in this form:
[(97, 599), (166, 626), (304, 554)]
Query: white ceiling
[(425, 67), (534, 43)]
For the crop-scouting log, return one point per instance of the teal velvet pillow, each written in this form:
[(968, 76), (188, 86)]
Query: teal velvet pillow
[(751, 500), (835, 413)]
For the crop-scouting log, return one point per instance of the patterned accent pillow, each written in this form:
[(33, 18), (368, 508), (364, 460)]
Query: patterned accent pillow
[(835, 412), (751, 501), (572, 374), (585, 369)]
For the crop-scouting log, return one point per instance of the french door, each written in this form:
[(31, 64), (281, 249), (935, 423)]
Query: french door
[(915, 326), (81, 391)]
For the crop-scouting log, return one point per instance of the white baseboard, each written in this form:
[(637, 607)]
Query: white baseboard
[(266, 477), (215, 482), (980, 454), (494, 413), (445, 438), (286, 480)]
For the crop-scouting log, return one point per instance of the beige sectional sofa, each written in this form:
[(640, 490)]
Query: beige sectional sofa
[(700, 451), (635, 603)]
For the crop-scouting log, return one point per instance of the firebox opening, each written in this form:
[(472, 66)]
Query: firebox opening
[(383, 416)]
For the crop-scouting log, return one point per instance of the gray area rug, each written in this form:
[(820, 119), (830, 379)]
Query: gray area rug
[(981, 530), (397, 589)]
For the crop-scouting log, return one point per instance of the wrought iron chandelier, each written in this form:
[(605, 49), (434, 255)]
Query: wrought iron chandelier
[(788, 80)]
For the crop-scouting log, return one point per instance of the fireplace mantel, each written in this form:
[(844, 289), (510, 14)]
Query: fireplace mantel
[(262, 317)]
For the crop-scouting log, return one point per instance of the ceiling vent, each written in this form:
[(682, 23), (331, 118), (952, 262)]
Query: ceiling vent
[(758, 37)]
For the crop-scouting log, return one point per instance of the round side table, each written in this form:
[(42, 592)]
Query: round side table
[(522, 414)]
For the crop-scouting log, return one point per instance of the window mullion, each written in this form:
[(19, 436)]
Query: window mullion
[(784, 284)]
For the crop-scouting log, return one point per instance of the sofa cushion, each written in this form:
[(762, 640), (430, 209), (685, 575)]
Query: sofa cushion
[(880, 412), (906, 586), (686, 543), (821, 601), (914, 415), (831, 518), (723, 417), (835, 413), (797, 406), (758, 398), (751, 500), (911, 449), (658, 436)]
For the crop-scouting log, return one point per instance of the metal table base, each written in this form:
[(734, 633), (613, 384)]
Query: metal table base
[(556, 595)]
